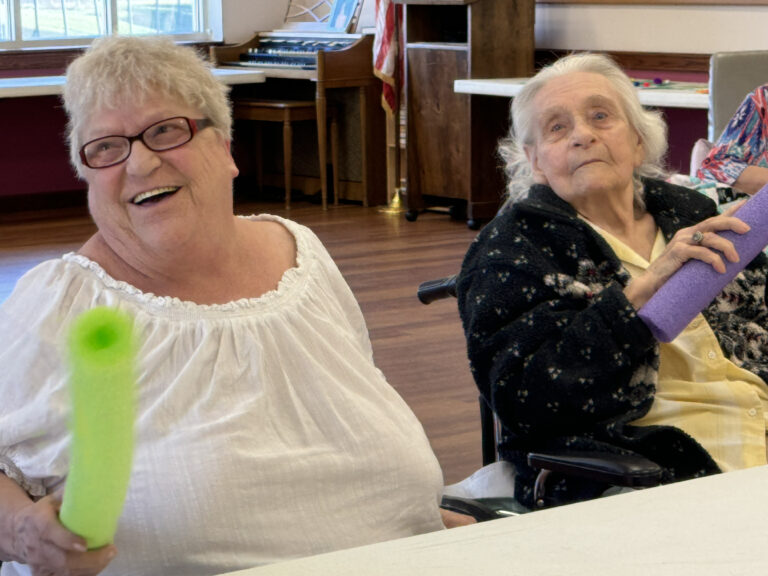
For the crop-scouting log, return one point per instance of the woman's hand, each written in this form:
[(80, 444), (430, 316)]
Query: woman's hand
[(49, 548), (700, 242), (455, 519)]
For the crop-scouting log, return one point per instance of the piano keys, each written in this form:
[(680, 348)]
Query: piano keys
[(331, 61), (280, 50)]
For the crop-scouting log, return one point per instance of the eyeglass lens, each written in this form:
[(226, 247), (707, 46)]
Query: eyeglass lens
[(163, 135)]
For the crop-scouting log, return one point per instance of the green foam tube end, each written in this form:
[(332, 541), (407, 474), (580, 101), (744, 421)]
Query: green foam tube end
[(102, 381)]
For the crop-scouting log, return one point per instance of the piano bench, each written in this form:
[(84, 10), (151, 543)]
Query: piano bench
[(287, 112)]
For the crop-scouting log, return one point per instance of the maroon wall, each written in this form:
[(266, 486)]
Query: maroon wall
[(34, 157), (33, 152), (686, 125)]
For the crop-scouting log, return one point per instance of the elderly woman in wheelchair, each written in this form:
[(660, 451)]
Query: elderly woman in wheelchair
[(548, 295)]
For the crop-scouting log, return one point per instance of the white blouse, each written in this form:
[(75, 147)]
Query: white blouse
[(263, 432)]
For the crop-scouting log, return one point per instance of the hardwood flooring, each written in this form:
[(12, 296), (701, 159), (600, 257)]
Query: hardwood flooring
[(384, 258)]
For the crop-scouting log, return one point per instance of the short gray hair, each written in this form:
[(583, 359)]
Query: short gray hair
[(648, 124), (118, 70)]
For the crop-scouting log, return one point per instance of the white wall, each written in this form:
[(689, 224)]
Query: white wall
[(630, 28), (633, 28), (242, 18)]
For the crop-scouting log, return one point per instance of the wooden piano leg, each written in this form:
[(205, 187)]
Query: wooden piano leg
[(287, 146), (335, 155), (364, 141), (259, 159), (322, 139)]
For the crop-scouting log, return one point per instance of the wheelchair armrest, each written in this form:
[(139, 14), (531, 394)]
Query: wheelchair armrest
[(630, 470), (483, 509), (437, 289)]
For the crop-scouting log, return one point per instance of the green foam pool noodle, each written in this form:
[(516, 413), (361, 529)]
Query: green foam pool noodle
[(102, 380)]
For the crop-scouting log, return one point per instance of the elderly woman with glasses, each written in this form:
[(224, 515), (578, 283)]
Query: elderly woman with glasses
[(549, 293), (264, 431)]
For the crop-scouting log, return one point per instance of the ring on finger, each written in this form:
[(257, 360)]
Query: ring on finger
[(697, 237)]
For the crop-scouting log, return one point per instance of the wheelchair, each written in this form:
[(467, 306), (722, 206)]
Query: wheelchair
[(617, 470)]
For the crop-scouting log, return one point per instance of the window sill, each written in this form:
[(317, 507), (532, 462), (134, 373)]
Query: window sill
[(37, 61), (21, 87)]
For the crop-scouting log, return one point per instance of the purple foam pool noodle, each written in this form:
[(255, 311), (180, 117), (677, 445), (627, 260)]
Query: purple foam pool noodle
[(695, 284)]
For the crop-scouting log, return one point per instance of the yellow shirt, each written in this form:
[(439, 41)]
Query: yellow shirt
[(723, 407)]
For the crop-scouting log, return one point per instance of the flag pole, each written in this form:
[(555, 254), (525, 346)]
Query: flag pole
[(387, 67), (395, 204)]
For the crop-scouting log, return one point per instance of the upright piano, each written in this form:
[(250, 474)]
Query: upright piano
[(330, 60)]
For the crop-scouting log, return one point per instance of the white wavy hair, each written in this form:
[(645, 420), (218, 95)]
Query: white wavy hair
[(119, 70), (648, 124)]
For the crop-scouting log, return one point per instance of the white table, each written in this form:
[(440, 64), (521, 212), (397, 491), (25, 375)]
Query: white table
[(683, 95), (706, 527), (51, 85)]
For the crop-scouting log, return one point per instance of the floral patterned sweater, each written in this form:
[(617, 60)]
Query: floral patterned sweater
[(744, 142), (559, 351)]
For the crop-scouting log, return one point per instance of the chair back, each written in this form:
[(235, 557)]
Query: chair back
[(732, 75), (490, 426)]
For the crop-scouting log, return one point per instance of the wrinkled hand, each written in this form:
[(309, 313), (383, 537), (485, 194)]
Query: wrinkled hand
[(49, 548), (699, 242)]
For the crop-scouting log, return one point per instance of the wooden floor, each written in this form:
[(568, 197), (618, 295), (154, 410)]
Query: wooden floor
[(383, 257)]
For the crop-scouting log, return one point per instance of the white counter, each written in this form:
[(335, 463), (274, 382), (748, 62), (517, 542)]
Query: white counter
[(707, 527), (679, 95), (51, 85)]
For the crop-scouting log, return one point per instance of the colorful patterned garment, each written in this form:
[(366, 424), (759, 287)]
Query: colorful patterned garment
[(560, 352), (743, 143)]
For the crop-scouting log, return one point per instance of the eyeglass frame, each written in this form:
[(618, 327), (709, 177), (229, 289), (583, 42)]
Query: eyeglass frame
[(194, 125)]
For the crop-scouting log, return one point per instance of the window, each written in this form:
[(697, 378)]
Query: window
[(49, 23)]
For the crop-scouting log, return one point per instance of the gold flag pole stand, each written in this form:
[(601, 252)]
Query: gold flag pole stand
[(395, 204)]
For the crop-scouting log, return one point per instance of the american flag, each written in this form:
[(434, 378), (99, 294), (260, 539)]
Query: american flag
[(387, 53)]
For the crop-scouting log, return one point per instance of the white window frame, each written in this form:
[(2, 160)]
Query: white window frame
[(211, 24)]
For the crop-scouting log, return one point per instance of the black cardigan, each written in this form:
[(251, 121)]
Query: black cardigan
[(560, 352)]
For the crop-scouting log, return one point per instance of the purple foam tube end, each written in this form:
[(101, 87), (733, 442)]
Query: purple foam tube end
[(696, 284)]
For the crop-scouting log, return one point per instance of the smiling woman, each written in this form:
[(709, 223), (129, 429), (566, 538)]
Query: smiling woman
[(264, 430)]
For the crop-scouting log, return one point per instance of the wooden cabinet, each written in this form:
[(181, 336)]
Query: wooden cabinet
[(452, 138)]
